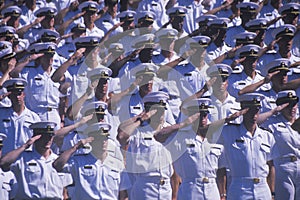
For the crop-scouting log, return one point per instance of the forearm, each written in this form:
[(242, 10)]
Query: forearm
[(164, 70), (58, 75), (116, 98), (60, 162), (74, 109), (271, 176), (251, 88), (221, 182), (11, 157), (19, 67)]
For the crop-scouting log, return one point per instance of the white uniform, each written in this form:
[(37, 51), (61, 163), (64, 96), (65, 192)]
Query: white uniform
[(36, 177), (8, 185), (247, 156), (16, 128), (196, 162), (150, 165), (95, 179), (287, 165), (42, 94)]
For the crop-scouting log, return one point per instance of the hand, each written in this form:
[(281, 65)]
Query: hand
[(31, 141), (38, 20), (236, 62), (85, 119), (210, 82), (269, 76), (34, 56), (5, 20), (231, 53), (11, 64), (146, 115), (77, 55), (83, 142), (279, 108), (188, 53), (236, 115), (191, 119), (272, 44), (2, 96)]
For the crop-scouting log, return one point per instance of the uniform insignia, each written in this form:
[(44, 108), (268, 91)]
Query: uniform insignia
[(242, 83), (32, 164), (137, 107), (37, 79), (281, 126), (187, 74), (6, 120), (265, 145), (87, 167), (239, 140), (154, 4)]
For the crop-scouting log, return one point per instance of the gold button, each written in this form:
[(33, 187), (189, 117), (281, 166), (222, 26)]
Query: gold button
[(205, 180), (256, 180), (293, 158), (162, 181)]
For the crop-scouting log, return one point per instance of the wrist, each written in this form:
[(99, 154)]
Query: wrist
[(273, 194), (223, 196)]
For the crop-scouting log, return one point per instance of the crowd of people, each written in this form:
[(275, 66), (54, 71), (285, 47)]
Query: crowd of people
[(149, 99)]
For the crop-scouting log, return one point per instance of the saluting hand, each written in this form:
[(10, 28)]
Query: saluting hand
[(31, 141)]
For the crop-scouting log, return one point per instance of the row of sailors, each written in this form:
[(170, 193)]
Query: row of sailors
[(98, 169), (13, 119), (48, 85)]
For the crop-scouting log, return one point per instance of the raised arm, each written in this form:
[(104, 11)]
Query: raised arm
[(12, 156), (60, 162)]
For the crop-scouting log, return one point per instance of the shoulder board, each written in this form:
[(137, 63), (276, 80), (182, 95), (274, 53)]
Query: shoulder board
[(217, 146), (265, 129)]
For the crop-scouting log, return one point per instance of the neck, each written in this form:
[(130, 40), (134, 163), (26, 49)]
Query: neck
[(47, 68), (221, 96), (100, 155), (250, 72), (167, 54), (284, 54), (18, 108), (251, 127), (44, 152)]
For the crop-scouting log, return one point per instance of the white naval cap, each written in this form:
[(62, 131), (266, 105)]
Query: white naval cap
[(98, 129), (99, 72), (245, 38), (200, 41), (89, 6), (116, 48), (145, 16), (250, 99), (290, 8), (220, 23), (15, 84), (145, 69), (7, 53), (12, 11), (127, 15), (167, 33), (204, 19), (257, 24), (87, 41), (250, 7), (46, 11), (7, 31), (158, 97), (287, 96), (5, 44), (250, 50), (200, 105), (46, 48), (94, 107), (147, 40), (48, 35), (284, 30), (219, 70), (43, 127), (2, 138), (177, 11), (280, 64), (80, 27)]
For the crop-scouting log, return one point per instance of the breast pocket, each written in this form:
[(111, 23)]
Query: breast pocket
[(6, 186), (114, 180), (266, 150), (213, 157), (239, 150), (88, 173), (32, 173)]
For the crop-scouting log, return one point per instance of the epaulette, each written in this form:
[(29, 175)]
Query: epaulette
[(265, 129), (217, 146)]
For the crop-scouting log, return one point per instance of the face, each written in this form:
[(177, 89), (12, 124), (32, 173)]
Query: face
[(252, 115), (48, 22), (14, 22), (250, 63), (290, 111), (44, 142), (128, 25), (17, 97), (221, 84), (102, 87), (146, 55), (46, 59), (100, 142), (280, 78), (290, 19), (146, 84), (285, 44), (177, 23), (89, 17)]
